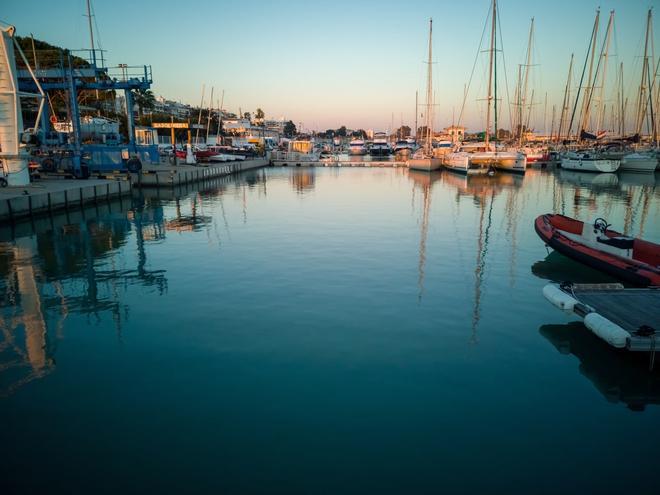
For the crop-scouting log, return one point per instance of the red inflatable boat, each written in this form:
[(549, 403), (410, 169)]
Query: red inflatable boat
[(632, 260)]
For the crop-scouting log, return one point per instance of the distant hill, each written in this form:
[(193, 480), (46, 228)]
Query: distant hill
[(47, 55)]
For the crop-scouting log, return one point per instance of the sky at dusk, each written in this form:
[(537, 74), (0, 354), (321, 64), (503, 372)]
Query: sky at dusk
[(357, 63)]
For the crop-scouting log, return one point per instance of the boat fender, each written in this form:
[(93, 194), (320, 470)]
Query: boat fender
[(610, 332), (559, 298)]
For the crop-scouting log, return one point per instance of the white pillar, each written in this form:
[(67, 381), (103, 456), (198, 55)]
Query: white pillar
[(12, 152)]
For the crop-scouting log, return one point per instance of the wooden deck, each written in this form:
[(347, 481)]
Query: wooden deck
[(631, 309)]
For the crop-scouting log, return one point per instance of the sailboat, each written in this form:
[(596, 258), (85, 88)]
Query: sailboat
[(510, 161), (645, 160), (588, 160), (423, 159), (488, 156)]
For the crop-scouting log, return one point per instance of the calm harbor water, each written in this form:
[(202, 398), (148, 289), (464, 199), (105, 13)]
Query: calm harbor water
[(330, 330)]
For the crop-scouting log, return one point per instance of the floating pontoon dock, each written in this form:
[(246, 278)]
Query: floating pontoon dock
[(624, 318), (171, 175), (51, 195), (47, 195)]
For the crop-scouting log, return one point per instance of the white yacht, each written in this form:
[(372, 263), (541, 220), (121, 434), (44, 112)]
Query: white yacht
[(404, 147), (357, 147), (299, 153), (380, 146), (588, 161)]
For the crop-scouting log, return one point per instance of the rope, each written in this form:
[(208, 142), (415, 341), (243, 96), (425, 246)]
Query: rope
[(506, 79)]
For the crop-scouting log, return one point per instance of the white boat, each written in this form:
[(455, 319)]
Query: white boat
[(404, 147), (589, 162), (357, 147), (639, 162), (380, 146), (299, 153), (441, 148), (219, 158), (422, 161), (461, 161), (508, 161)]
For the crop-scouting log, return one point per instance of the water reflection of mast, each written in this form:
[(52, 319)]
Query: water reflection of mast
[(482, 250), (426, 204), (628, 217), (512, 229), (645, 209)]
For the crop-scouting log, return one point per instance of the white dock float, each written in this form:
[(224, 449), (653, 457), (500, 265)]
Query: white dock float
[(624, 318)]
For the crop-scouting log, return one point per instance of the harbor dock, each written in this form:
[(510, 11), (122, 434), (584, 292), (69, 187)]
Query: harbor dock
[(176, 175), (46, 195)]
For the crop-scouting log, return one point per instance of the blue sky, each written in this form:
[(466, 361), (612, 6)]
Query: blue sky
[(332, 63)]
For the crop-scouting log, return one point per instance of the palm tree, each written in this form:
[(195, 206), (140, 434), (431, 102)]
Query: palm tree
[(259, 115), (144, 99)]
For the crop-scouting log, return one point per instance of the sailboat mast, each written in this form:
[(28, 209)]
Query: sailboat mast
[(604, 57), (545, 115), (222, 102), (589, 89), (495, 64), (641, 105), (490, 74), (91, 32), (584, 68), (416, 113), (567, 98), (622, 116), (429, 93), (199, 117), (208, 117), (523, 100), (552, 124)]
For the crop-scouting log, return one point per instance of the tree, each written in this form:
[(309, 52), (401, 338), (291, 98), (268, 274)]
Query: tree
[(360, 133), (403, 131), (247, 115), (144, 99), (259, 115), (341, 132), (290, 129)]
